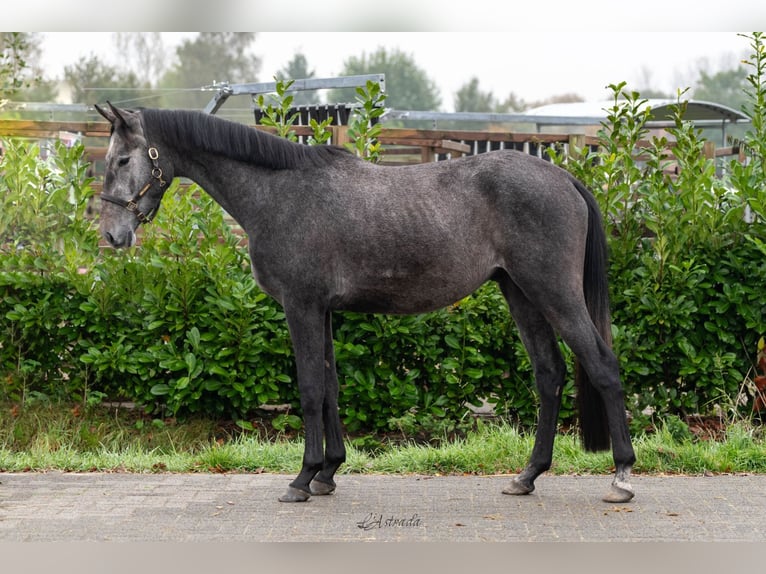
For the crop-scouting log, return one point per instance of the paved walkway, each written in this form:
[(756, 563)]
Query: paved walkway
[(243, 507)]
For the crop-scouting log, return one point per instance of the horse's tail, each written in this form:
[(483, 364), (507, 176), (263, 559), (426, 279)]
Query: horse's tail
[(594, 430)]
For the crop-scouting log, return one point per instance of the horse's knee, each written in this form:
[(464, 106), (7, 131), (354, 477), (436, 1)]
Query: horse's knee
[(550, 393), (549, 380)]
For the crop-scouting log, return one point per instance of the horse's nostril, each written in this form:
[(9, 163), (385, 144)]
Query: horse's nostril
[(120, 238)]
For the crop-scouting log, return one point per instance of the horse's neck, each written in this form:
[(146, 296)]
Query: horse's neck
[(231, 184)]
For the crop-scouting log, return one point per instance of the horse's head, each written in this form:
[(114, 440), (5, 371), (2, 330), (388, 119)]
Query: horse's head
[(134, 182)]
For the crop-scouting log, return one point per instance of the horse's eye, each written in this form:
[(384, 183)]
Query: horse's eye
[(123, 161)]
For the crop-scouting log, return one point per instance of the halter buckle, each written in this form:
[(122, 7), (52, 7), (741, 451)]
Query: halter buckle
[(157, 174)]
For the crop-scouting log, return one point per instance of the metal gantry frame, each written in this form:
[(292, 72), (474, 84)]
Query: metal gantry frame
[(226, 90)]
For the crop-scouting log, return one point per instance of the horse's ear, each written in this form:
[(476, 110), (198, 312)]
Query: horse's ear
[(107, 113), (124, 121), (117, 112)]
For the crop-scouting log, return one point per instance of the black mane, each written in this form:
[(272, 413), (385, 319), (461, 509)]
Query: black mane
[(193, 130)]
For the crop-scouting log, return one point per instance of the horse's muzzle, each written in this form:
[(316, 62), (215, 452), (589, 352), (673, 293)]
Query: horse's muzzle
[(124, 238)]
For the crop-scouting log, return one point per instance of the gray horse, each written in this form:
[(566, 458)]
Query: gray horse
[(328, 231)]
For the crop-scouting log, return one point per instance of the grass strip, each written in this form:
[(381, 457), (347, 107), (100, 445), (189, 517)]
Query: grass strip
[(49, 438)]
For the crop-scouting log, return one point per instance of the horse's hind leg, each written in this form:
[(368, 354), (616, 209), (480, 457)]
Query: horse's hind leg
[(550, 370), (602, 372), (335, 451)]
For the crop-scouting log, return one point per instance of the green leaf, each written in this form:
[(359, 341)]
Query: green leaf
[(451, 364), (212, 385), (193, 337), (245, 425), (160, 389), (226, 304), (191, 361)]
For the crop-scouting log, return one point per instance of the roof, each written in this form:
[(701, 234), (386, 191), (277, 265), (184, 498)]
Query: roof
[(584, 114), (661, 110)]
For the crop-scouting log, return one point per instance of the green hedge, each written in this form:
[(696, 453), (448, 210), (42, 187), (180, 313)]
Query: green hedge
[(688, 268), (179, 326)]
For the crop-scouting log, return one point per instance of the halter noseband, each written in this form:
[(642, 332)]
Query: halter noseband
[(132, 204)]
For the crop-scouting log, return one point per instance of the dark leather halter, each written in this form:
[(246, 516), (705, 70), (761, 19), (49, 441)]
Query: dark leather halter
[(132, 204)]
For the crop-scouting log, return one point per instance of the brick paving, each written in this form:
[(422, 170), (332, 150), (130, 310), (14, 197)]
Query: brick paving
[(126, 507)]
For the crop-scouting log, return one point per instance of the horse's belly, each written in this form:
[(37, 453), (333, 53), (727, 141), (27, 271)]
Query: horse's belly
[(404, 295)]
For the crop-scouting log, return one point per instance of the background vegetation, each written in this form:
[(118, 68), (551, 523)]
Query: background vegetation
[(179, 326)]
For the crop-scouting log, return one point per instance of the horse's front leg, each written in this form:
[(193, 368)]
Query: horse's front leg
[(335, 450), (542, 452), (307, 331)]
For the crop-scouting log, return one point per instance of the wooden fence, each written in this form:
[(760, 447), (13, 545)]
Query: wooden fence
[(400, 146)]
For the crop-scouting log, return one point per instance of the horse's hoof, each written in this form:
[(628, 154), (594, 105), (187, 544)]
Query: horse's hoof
[(518, 487), (619, 492), (294, 495), (320, 488)]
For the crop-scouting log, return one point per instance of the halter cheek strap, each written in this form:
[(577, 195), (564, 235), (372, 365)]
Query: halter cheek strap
[(132, 204)]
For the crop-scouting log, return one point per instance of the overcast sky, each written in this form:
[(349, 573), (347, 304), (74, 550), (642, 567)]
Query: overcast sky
[(504, 62), (533, 49)]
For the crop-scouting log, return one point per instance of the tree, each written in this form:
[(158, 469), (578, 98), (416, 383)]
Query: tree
[(469, 98), (522, 106), (513, 104), (408, 87), (645, 83), (297, 69), (651, 93), (13, 66), (724, 87), (143, 53), (207, 59), (20, 75), (93, 81), (565, 98)]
